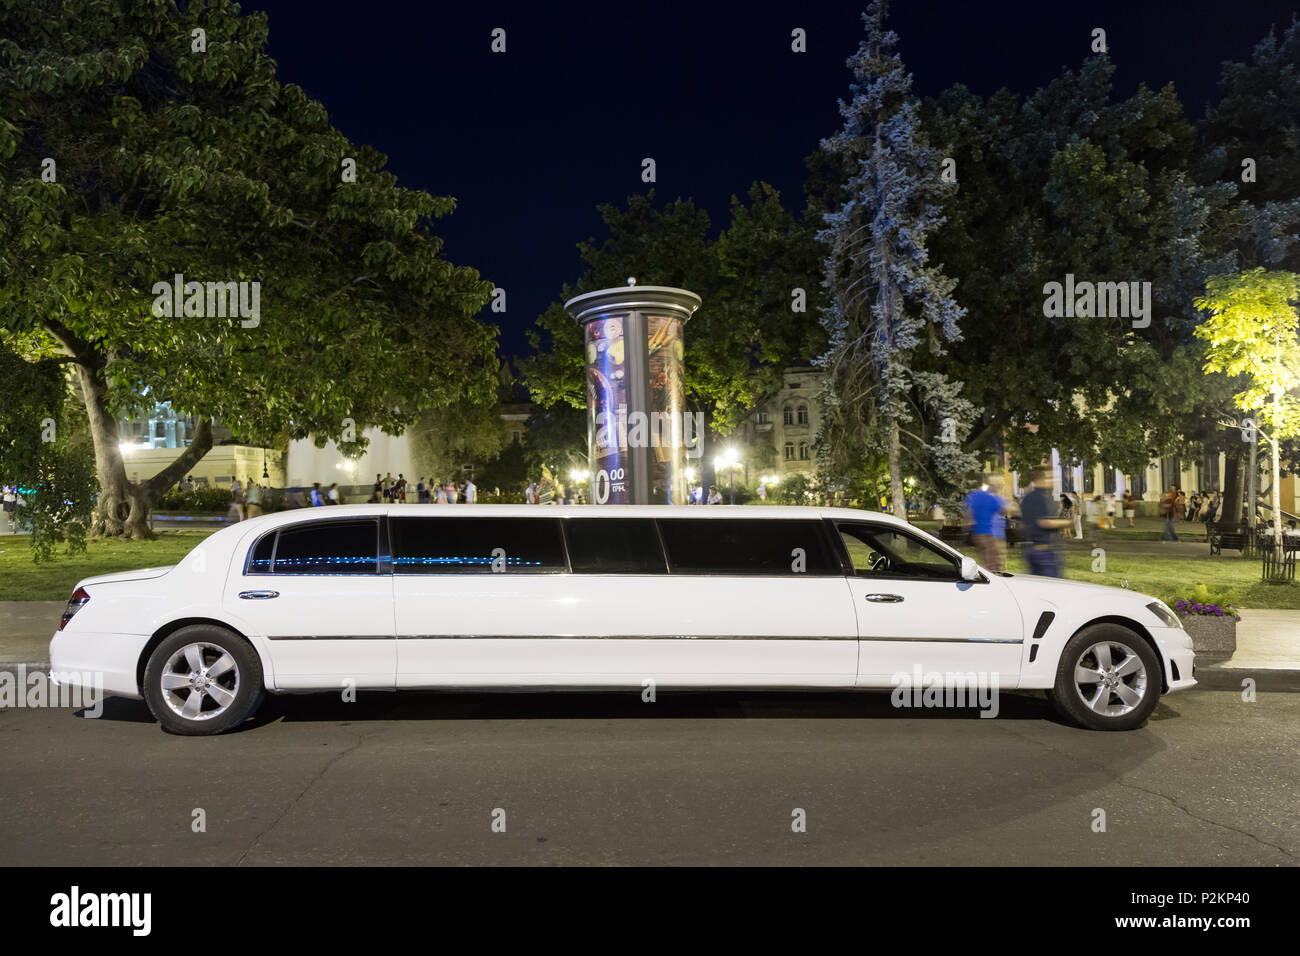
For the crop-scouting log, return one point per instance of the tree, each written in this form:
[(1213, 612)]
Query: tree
[(1253, 333), (44, 451), (140, 142), (1069, 180), (885, 297)]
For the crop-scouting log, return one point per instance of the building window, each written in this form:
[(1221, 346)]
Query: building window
[(787, 415), (762, 418), (803, 451), (803, 414), (789, 451)]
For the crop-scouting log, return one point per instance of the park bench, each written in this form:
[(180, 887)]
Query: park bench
[(1225, 536)]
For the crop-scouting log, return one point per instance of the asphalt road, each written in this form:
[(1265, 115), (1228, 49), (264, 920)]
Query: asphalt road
[(691, 779)]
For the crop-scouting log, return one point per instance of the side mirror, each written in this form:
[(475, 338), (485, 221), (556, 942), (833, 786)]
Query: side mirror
[(970, 571)]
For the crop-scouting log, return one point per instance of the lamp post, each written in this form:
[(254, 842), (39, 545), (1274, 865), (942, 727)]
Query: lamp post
[(730, 460)]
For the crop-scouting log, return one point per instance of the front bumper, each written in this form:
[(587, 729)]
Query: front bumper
[(1175, 646), (77, 655)]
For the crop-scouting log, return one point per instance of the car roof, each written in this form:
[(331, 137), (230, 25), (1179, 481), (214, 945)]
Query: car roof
[(715, 512)]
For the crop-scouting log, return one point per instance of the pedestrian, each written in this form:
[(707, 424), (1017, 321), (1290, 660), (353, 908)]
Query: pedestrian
[(1076, 513), (1067, 511), (441, 497), (400, 495), (1130, 506), (1040, 525), (253, 499), (1169, 508), (451, 493), (317, 496), (986, 516), (333, 497), (237, 499), (421, 492), (715, 496), (377, 493), (471, 492), (530, 494)]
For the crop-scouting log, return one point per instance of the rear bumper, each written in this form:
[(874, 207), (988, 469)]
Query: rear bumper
[(77, 655)]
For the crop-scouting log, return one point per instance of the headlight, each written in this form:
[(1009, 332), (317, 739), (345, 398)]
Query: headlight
[(1168, 617)]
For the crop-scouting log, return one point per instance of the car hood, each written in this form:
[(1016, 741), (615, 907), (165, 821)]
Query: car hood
[(141, 575), (1065, 591)]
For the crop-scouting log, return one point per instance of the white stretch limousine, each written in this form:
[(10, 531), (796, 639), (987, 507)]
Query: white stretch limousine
[(512, 596)]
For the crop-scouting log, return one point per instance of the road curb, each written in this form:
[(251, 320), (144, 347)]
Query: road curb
[(1217, 677)]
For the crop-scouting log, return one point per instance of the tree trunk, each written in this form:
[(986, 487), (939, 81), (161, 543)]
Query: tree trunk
[(123, 506), (1276, 497), (898, 501)]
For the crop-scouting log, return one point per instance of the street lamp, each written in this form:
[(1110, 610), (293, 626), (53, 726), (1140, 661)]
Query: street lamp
[(729, 460)]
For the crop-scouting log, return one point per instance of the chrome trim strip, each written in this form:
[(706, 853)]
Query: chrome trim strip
[(329, 637), (623, 637), (637, 637), (699, 637)]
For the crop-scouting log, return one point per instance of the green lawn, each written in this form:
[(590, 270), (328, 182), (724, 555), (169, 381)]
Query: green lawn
[(21, 580), (1171, 578)]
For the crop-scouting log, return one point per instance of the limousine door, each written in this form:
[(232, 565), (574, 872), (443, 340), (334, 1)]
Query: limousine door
[(488, 600), (915, 613), (320, 595)]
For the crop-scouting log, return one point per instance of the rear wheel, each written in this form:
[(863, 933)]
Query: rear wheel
[(1108, 679), (203, 680)]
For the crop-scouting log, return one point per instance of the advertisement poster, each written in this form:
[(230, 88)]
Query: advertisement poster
[(667, 408), (607, 406)]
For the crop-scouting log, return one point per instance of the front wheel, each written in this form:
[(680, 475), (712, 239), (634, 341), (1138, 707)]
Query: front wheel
[(1108, 679), (203, 680)]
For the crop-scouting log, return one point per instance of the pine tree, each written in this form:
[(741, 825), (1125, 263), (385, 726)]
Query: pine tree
[(884, 297)]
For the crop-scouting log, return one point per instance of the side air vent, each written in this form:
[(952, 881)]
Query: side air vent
[(1044, 622), (1033, 652)]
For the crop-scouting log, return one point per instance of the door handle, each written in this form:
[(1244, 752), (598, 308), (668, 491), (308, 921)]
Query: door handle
[(258, 595), (885, 598)]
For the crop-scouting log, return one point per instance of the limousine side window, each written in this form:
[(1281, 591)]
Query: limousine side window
[(886, 552), (319, 547), (614, 546), (476, 545), (772, 546)]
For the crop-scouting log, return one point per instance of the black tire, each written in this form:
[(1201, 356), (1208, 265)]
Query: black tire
[(225, 700), (1143, 680)]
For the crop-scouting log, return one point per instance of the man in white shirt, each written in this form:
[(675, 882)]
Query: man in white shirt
[(471, 492)]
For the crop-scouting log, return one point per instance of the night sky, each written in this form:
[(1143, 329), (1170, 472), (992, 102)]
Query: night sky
[(530, 141)]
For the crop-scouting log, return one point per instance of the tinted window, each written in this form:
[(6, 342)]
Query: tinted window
[(614, 546), (259, 562), (879, 551), (328, 547), (471, 545), (748, 546)]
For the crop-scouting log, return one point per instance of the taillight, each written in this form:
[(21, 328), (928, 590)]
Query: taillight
[(75, 604)]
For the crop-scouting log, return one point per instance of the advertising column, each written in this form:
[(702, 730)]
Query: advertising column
[(639, 434)]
